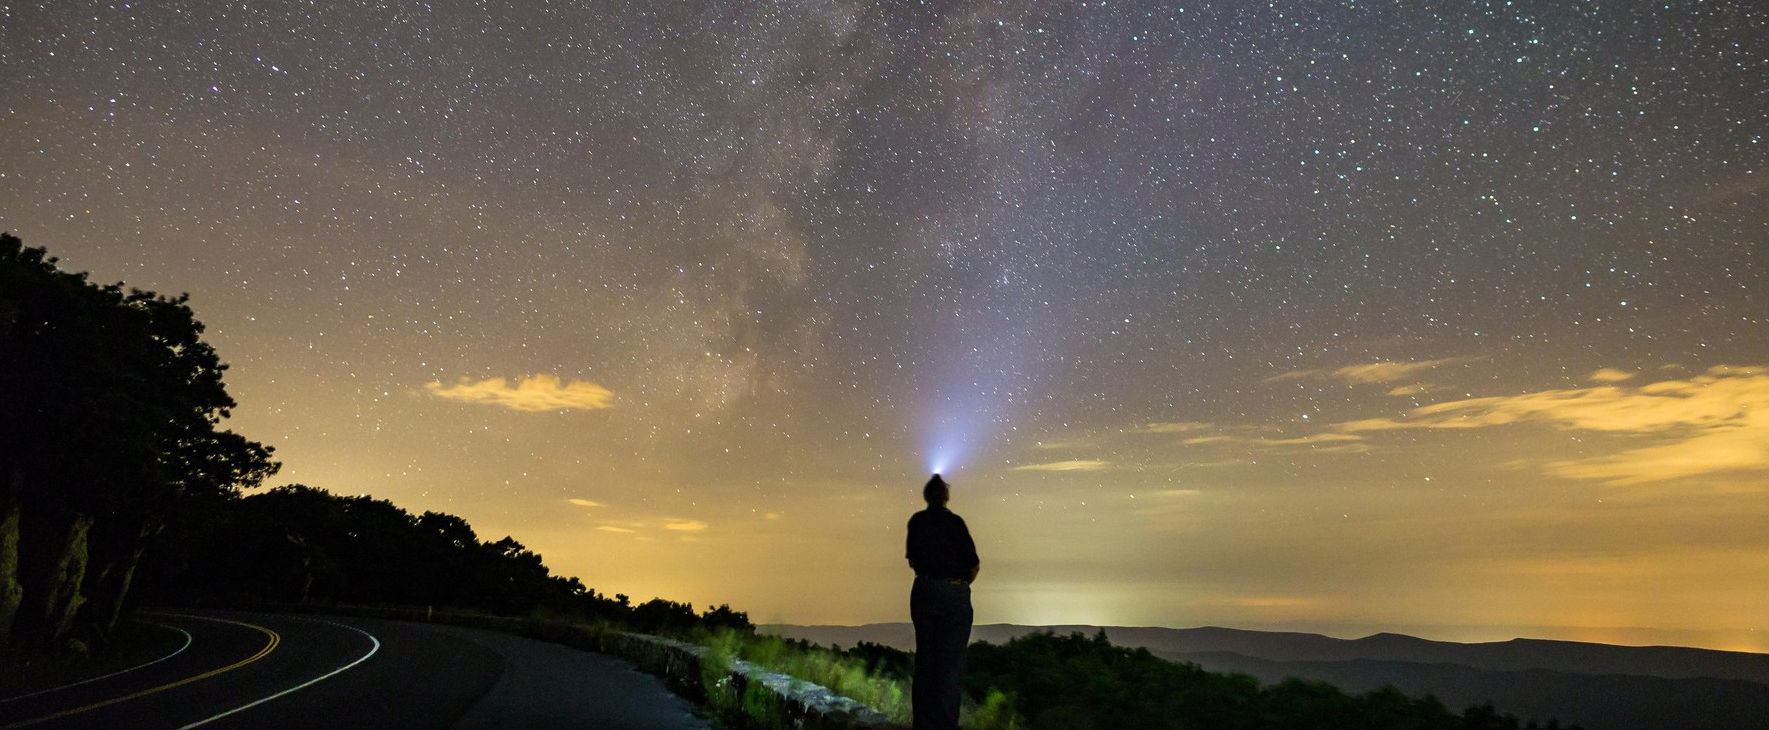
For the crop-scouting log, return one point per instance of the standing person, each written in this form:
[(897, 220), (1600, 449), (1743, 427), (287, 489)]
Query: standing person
[(945, 562)]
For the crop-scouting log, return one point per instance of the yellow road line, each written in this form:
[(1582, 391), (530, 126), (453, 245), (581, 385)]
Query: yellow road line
[(269, 646)]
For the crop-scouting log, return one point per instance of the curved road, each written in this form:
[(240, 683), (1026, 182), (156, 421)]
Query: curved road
[(247, 670)]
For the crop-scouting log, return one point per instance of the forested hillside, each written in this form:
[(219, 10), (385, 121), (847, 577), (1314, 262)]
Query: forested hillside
[(302, 545)]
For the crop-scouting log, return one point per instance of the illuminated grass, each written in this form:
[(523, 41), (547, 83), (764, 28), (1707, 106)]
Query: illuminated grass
[(845, 675)]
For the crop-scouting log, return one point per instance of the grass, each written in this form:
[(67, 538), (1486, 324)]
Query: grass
[(875, 684)]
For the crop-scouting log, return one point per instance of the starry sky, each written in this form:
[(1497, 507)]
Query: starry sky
[(1332, 316)]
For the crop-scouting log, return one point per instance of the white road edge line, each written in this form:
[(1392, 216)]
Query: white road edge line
[(175, 652), (371, 637)]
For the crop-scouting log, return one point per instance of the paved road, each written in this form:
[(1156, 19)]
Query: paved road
[(245, 670)]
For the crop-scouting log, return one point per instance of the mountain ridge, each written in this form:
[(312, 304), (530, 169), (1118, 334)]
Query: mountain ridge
[(1517, 654), (1598, 686)]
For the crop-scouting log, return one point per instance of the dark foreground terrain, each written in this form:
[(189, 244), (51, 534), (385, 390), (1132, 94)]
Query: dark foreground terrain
[(1598, 686)]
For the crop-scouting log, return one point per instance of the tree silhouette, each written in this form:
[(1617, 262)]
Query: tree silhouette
[(299, 543), (1078, 681), (112, 407)]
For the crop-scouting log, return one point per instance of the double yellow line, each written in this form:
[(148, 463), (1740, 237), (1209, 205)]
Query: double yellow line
[(269, 647)]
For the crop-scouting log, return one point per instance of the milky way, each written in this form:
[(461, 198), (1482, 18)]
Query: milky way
[(1323, 314)]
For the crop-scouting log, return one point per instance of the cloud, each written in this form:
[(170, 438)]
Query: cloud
[(1376, 372), (1713, 422), (1310, 439), (1718, 396), (1203, 432), (612, 528), (1744, 446), (1325, 442), (1385, 372), (1073, 443), (1414, 389), (533, 393), (1174, 427), (1611, 375), (584, 502), (1272, 602), (1254, 437), (1070, 465), (1214, 463), (685, 525)]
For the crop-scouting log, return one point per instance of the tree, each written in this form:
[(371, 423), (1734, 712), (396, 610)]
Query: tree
[(111, 406), (723, 617)]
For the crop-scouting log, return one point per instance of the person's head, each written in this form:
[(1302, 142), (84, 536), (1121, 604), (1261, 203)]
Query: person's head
[(936, 492)]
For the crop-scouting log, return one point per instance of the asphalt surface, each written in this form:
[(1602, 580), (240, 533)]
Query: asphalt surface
[(248, 670)]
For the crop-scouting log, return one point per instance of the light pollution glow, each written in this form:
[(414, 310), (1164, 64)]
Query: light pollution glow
[(1422, 318)]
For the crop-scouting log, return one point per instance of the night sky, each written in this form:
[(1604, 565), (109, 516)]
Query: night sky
[(1441, 317)]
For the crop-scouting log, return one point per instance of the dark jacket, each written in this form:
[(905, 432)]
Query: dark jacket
[(940, 546)]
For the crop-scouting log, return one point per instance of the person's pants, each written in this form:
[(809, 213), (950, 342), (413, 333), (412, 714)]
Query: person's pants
[(942, 615)]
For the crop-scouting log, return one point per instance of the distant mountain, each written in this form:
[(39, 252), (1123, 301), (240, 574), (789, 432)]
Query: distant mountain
[(1595, 701), (1600, 686), (1515, 655)]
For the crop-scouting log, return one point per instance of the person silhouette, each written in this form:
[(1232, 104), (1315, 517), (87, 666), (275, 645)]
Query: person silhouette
[(944, 558)]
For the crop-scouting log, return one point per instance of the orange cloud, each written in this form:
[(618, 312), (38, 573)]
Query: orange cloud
[(1070, 465), (1273, 602), (1742, 445), (1713, 422), (1611, 375), (584, 502), (533, 393), (1376, 372), (612, 528), (685, 525), (1174, 427), (1318, 438), (1318, 442)]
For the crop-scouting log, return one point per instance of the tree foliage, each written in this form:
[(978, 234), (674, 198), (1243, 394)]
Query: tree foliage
[(111, 408), (1077, 681), (299, 544)]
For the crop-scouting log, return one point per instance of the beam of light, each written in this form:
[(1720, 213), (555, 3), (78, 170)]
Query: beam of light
[(970, 413), (958, 425), (946, 448), (980, 386)]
